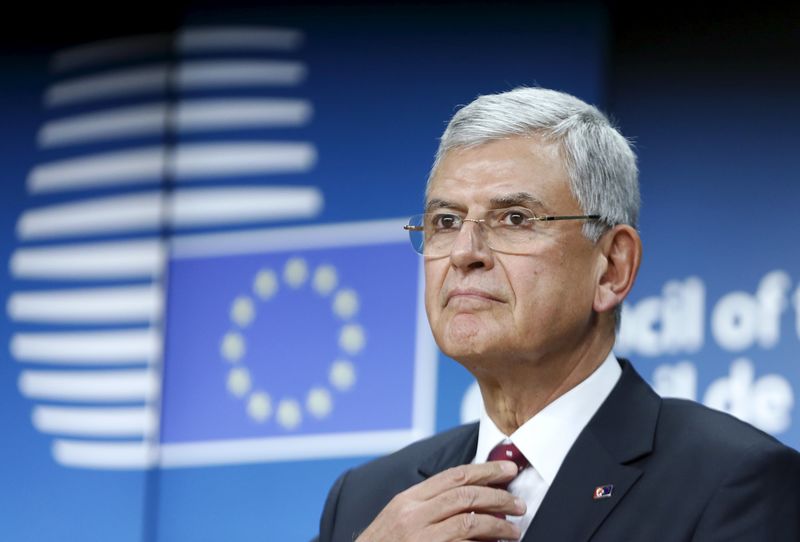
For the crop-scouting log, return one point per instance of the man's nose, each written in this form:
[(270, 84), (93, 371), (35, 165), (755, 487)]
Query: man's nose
[(471, 248)]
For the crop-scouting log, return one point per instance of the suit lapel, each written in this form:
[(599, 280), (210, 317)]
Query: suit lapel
[(569, 513), (621, 431), (459, 450)]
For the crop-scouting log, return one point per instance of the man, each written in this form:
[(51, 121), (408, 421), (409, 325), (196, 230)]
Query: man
[(530, 247)]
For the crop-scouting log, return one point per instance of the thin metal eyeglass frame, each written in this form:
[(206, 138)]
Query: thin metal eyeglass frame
[(544, 218)]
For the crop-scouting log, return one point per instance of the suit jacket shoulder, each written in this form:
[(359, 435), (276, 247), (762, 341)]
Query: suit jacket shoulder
[(677, 413), (680, 472), (746, 480)]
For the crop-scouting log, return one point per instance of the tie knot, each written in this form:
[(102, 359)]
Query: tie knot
[(508, 452)]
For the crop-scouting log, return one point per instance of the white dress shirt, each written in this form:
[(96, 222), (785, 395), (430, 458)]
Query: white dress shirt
[(546, 438)]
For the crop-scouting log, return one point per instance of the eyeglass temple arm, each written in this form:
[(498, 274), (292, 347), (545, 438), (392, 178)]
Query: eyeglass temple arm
[(570, 217), (409, 227)]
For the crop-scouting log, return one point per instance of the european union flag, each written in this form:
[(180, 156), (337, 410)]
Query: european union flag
[(287, 342)]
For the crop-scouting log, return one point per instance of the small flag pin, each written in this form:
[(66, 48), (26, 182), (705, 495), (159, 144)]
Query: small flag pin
[(603, 492)]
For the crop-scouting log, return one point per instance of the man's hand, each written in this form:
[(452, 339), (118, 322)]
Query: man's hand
[(456, 504)]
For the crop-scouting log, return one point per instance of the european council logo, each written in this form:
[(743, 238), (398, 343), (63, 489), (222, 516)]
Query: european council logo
[(295, 343), (157, 319)]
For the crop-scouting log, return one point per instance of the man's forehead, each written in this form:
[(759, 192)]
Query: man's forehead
[(500, 173)]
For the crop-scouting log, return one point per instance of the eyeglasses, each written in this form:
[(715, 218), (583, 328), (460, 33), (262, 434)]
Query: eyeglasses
[(507, 230)]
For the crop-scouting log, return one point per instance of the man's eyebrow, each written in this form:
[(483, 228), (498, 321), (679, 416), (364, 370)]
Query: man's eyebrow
[(437, 203), (498, 202), (519, 198)]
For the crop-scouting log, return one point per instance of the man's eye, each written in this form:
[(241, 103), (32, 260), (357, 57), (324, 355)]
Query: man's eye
[(445, 222), (515, 218)]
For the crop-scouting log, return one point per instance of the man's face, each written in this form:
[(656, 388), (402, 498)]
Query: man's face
[(485, 305)]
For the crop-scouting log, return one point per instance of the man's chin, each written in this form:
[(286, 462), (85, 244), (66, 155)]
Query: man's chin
[(466, 339)]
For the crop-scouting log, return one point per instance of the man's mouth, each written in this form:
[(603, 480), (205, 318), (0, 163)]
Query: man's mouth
[(470, 295)]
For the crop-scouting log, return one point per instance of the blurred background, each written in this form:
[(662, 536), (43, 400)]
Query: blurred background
[(211, 309)]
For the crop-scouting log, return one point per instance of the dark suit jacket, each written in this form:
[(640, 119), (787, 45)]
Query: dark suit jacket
[(680, 471)]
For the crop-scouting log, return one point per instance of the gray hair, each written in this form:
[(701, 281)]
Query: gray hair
[(600, 162)]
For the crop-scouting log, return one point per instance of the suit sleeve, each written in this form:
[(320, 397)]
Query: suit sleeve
[(758, 500), (327, 521)]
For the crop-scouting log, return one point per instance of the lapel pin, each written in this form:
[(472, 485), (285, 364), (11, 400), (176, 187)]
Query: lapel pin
[(603, 492)]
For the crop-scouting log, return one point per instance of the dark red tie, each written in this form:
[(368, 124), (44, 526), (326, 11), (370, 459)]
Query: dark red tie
[(507, 452)]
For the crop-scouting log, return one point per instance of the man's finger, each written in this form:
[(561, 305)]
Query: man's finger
[(471, 526), (492, 472), (478, 499)]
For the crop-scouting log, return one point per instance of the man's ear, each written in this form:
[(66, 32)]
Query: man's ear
[(621, 253)]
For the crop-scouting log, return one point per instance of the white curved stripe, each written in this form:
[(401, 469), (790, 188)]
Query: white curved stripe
[(192, 40), (196, 74), (199, 160), (134, 212), (240, 205), (144, 165), (88, 305), (196, 115), (186, 207), (190, 116), (90, 386), (254, 38), (105, 125), (236, 73), (109, 50), (91, 261), (96, 422), (285, 448), (88, 347), (344, 234), (113, 83), (105, 455)]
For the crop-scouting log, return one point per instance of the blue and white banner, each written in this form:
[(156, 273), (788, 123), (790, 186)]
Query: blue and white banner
[(296, 343), (751, 335), (212, 309)]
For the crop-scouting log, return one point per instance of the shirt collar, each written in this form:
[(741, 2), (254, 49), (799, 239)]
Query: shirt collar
[(546, 438)]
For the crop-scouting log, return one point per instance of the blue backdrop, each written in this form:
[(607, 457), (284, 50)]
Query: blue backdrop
[(200, 360)]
